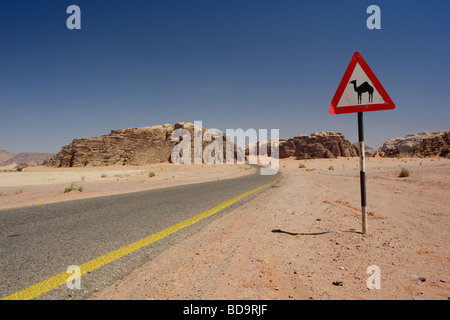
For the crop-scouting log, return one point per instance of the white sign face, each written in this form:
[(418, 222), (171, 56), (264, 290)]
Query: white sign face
[(360, 90)]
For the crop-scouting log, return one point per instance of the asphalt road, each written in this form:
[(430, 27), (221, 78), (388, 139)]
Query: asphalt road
[(39, 242)]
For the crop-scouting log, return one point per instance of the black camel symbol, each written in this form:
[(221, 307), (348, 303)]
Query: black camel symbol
[(365, 87)]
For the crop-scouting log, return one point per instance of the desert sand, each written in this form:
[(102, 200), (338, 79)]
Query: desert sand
[(324, 255), (39, 185), (318, 251)]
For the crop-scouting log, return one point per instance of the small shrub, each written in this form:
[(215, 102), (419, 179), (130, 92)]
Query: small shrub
[(404, 173), (330, 168), (151, 174), (73, 187), (18, 191), (21, 167), (301, 166), (104, 175), (313, 169)]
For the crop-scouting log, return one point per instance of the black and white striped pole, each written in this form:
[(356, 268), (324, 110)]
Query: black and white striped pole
[(362, 173)]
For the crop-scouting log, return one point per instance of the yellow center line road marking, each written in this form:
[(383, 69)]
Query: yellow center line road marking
[(60, 279)]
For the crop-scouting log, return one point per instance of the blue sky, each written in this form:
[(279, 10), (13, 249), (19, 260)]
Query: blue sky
[(231, 64)]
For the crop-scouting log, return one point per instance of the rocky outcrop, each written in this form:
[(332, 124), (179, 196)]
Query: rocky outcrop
[(406, 143), (393, 153), (425, 144), (209, 140), (263, 147), (318, 145), (437, 146), (130, 146)]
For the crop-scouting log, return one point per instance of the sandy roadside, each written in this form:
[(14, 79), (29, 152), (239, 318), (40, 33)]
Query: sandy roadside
[(238, 256), (38, 185)]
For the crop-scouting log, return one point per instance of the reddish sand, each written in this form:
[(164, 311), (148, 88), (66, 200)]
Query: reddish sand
[(238, 256), (37, 185)]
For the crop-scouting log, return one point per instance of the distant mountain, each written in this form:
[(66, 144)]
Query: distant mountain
[(30, 158), (5, 156), (368, 151)]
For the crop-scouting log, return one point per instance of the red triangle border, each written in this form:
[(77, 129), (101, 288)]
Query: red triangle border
[(357, 58)]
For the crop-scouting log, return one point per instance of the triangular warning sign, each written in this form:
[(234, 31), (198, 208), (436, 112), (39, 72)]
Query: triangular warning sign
[(360, 90)]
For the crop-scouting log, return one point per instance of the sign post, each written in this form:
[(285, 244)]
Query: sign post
[(359, 92), (362, 172)]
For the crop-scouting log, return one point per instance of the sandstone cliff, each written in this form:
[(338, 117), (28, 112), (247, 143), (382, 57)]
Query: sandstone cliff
[(318, 145), (437, 146), (130, 146), (425, 144), (406, 143), (266, 145)]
